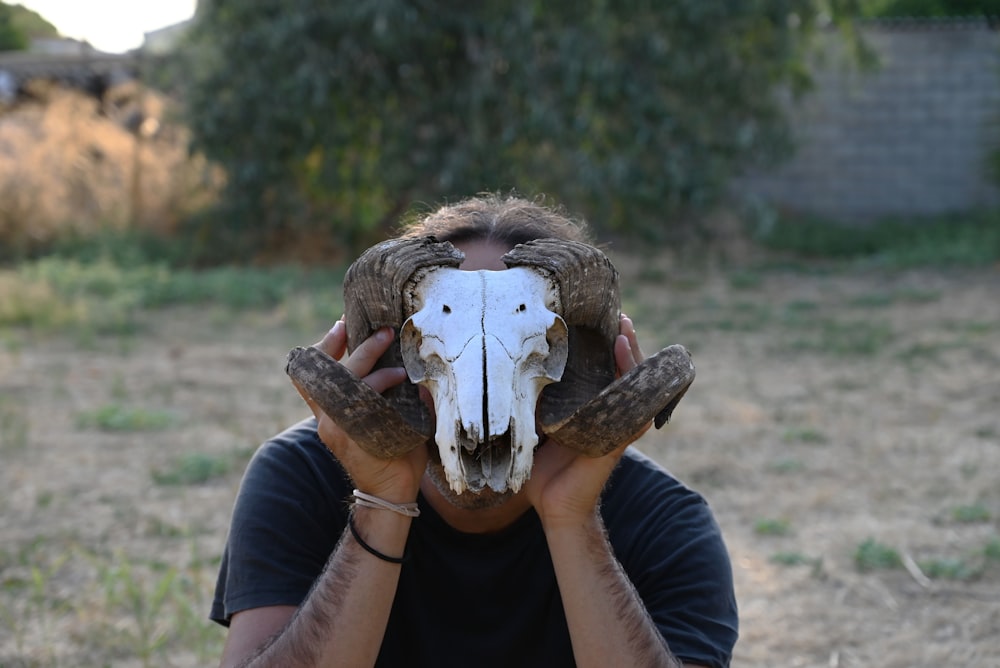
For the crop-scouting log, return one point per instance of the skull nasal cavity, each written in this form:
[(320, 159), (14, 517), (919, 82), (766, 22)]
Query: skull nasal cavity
[(522, 308), (446, 308)]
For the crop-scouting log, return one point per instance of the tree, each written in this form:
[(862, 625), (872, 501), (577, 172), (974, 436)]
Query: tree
[(18, 25), (631, 111), (11, 37)]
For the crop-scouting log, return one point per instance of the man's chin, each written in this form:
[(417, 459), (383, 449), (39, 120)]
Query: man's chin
[(467, 500)]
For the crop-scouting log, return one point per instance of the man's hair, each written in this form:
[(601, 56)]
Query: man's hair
[(503, 219)]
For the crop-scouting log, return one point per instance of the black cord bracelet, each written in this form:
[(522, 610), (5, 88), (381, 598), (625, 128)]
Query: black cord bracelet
[(371, 550)]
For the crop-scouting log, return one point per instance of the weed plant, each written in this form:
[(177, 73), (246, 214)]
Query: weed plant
[(949, 568), (872, 555), (992, 550), (791, 559), (974, 513), (772, 527)]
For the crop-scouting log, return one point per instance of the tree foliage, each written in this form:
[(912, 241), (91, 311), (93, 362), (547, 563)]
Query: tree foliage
[(12, 38), (18, 25), (932, 8), (343, 115)]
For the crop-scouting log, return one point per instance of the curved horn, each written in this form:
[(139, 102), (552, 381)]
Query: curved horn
[(589, 303), (589, 410), (650, 391), (391, 424), (375, 283)]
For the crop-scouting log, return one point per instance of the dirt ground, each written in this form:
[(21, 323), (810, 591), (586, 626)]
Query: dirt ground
[(844, 426)]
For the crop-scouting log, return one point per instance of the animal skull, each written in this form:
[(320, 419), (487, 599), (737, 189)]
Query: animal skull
[(484, 343), (495, 376)]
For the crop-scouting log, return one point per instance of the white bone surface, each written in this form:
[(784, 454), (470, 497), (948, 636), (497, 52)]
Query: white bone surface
[(484, 344)]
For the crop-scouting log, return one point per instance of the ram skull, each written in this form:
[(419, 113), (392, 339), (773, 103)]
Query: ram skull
[(484, 344), (502, 353)]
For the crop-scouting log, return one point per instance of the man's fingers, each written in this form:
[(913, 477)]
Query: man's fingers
[(623, 355), (627, 329), (360, 362), (334, 343), (382, 379), (628, 354), (364, 357)]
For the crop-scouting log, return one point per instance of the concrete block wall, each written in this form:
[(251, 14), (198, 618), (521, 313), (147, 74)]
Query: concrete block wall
[(908, 139)]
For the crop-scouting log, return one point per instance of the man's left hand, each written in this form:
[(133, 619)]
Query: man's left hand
[(565, 485)]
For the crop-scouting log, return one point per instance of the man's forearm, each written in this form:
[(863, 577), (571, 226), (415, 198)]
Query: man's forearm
[(608, 623), (343, 620)]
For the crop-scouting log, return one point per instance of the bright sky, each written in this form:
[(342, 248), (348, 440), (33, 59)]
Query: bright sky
[(114, 26)]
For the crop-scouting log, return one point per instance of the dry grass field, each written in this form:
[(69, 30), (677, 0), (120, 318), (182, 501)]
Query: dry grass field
[(844, 426)]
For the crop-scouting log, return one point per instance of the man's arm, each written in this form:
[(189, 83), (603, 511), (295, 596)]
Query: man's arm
[(343, 620), (608, 623), (607, 620)]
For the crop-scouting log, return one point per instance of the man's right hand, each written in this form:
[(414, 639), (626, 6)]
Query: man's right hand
[(395, 480)]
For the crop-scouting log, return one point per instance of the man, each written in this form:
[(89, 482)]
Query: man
[(605, 561)]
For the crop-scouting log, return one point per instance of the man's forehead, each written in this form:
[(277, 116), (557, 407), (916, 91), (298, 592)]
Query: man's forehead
[(482, 254)]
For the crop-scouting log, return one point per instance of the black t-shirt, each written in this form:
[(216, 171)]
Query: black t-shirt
[(479, 599)]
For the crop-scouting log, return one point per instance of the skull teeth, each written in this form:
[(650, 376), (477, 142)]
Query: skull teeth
[(488, 464)]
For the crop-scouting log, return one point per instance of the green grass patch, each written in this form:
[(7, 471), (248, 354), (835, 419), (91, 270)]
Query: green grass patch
[(969, 240), (801, 306), (745, 280), (917, 296), (194, 469), (791, 559), (971, 514), (650, 272), (856, 338), (105, 297), (948, 568), (918, 354), (977, 328), (805, 435), (987, 432), (877, 300), (872, 555), (116, 417), (772, 527), (786, 466), (873, 300), (991, 551), (736, 317)]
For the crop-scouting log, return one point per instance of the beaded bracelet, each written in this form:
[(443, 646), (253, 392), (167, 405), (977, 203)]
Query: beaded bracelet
[(371, 550)]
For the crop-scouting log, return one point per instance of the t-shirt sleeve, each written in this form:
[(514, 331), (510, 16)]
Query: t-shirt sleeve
[(289, 514), (669, 543)]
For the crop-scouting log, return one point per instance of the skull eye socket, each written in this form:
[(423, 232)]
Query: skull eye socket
[(522, 308), (446, 309)]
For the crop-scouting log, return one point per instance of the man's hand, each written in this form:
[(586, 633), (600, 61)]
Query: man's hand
[(395, 480), (565, 485)]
